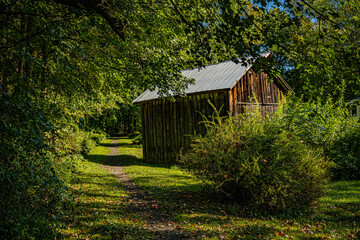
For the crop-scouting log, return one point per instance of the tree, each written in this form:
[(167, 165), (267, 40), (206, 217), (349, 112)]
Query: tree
[(315, 42)]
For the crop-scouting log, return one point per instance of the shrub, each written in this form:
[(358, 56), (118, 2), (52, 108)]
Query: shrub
[(90, 140), (329, 128), (97, 136), (31, 195), (87, 144), (345, 152), (318, 124), (257, 162), (136, 137)]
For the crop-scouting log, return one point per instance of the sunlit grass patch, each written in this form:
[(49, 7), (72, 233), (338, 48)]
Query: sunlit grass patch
[(199, 211), (100, 209), (101, 206), (162, 176)]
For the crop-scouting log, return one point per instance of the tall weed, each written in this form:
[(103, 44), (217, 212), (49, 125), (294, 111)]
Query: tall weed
[(329, 128), (258, 162)]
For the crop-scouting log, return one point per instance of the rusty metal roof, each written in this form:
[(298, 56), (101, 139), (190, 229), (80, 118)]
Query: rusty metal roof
[(214, 77)]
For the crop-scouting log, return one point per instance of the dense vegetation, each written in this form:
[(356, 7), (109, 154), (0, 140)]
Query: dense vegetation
[(330, 130), (277, 162), (259, 162), (68, 67)]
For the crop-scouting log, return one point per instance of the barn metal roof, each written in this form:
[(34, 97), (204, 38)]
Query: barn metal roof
[(214, 77)]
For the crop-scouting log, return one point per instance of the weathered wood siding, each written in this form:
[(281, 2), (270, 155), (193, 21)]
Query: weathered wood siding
[(256, 85), (167, 126)]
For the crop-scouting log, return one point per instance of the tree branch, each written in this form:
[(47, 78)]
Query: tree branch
[(104, 9), (181, 16), (262, 32), (326, 17), (28, 37), (29, 14)]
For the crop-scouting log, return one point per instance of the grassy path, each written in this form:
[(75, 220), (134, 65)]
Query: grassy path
[(157, 222), (100, 210), (105, 208)]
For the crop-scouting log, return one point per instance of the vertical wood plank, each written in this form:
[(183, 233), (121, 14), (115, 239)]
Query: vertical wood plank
[(153, 131), (158, 146), (169, 132), (261, 89), (230, 103), (148, 131), (172, 132), (181, 124), (143, 127)]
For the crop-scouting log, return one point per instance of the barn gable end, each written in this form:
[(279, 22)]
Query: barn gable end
[(167, 126), (256, 85)]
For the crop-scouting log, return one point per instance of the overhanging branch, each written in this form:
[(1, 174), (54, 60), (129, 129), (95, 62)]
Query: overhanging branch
[(103, 8)]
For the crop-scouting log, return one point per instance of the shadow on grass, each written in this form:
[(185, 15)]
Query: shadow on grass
[(197, 200), (128, 145), (102, 215), (122, 159)]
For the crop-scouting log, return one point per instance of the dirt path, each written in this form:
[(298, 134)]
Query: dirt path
[(157, 222)]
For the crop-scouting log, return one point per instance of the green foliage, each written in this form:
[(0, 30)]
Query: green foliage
[(345, 152), (318, 123), (123, 118), (90, 140), (257, 162), (30, 191), (97, 136), (329, 128), (136, 137), (38, 160), (31, 197)]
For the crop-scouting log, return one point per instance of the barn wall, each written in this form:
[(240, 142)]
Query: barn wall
[(167, 126), (255, 84)]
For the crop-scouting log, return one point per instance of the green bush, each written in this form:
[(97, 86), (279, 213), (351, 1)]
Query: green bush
[(318, 124), (258, 162), (329, 128), (31, 194), (87, 144), (136, 137), (97, 136), (345, 152), (38, 160), (90, 140)]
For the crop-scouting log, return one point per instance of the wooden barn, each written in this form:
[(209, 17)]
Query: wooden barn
[(167, 126)]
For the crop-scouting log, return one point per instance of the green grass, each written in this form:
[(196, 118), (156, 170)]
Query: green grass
[(197, 209), (100, 211)]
